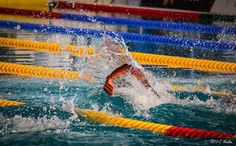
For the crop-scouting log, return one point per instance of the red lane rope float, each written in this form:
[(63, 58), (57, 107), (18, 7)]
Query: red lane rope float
[(167, 130), (140, 11)]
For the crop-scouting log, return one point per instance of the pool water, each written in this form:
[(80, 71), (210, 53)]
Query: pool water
[(46, 118)]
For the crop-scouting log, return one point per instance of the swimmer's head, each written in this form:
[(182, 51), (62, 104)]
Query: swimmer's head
[(113, 46)]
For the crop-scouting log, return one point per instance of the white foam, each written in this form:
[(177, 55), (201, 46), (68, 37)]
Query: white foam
[(19, 124), (142, 98), (136, 94)]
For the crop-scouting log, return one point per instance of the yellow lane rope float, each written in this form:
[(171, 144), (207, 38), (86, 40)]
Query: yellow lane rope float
[(167, 130), (4, 102), (81, 51), (163, 129), (42, 72), (54, 48), (52, 73), (181, 62), (35, 71), (200, 88), (142, 58)]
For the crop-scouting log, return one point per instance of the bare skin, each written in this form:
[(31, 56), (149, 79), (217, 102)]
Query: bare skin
[(116, 60), (122, 70)]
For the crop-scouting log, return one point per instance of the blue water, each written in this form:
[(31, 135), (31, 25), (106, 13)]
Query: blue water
[(43, 122), (45, 118)]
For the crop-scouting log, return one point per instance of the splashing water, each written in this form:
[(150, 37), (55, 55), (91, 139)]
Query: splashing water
[(19, 124), (132, 100), (113, 53)]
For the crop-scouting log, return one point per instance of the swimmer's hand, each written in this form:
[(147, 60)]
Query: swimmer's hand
[(108, 87)]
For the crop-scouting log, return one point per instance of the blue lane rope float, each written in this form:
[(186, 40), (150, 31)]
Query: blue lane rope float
[(162, 40), (173, 26)]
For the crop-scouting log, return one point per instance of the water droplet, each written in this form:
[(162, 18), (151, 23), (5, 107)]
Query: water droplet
[(45, 89), (18, 27)]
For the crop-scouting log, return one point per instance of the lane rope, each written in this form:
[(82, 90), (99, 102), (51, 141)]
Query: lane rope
[(163, 129), (202, 89), (52, 73), (181, 62), (35, 71), (4, 103), (160, 40), (48, 47), (142, 58), (173, 26), (166, 130), (174, 15), (138, 11)]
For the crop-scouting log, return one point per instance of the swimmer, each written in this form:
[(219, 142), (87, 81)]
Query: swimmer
[(114, 62), (124, 62)]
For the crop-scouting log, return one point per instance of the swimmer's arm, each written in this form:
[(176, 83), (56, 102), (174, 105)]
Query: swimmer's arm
[(108, 87), (142, 78)]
